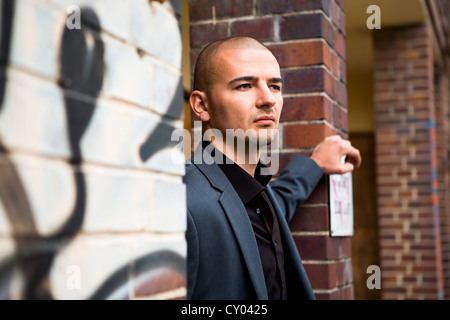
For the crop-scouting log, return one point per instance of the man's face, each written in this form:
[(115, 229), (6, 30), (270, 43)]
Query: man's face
[(245, 91)]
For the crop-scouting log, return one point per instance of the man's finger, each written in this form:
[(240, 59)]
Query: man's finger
[(353, 156), (347, 167)]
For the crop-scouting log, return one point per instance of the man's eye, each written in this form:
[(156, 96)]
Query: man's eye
[(275, 87), (243, 86)]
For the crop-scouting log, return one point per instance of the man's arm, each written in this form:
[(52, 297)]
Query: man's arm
[(295, 184), (300, 177)]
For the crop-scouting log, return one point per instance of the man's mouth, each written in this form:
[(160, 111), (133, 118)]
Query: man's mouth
[(265, 120)]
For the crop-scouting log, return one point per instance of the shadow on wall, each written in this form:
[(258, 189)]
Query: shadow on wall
[(81, 70)]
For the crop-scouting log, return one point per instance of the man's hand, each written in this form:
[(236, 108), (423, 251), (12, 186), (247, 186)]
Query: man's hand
[(328, 155)]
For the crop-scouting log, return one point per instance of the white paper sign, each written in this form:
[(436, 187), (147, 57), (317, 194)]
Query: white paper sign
[(341, 205)]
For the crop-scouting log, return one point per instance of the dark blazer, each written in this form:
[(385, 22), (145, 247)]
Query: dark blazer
[(223, 256)]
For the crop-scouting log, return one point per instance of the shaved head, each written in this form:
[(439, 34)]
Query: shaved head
[(205, 67), (238, 88)]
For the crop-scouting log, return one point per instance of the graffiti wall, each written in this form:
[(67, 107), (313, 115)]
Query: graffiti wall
[(92, 204)]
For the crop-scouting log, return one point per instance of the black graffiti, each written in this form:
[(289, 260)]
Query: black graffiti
[(12, 190), (164, 259), (6, 20), (160, 138), (81, 63), (82, 68), (81, 59)]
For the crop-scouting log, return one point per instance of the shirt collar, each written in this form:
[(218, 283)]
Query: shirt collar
[(246, 186)]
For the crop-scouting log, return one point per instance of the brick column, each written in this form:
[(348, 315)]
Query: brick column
[(308, 39), (410, 248), (443, 143)]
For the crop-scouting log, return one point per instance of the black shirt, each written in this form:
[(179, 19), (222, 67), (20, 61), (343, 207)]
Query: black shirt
[(253, 193)]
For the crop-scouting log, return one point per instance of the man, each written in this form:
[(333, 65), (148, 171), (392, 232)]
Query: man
[(239, 244)]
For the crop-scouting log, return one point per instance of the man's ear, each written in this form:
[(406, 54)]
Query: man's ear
[(199, 105)]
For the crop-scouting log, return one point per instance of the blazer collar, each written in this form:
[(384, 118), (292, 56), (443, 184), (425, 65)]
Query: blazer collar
[(206, 164)]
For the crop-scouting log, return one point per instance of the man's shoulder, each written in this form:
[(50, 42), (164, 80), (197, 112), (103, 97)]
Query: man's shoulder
[(201, 195), (189, 168), (202, 171), (195, 179), (192, 172)]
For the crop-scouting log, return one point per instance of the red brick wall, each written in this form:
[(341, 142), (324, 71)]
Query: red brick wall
[(308, 39), (443, 143), (408, 205)]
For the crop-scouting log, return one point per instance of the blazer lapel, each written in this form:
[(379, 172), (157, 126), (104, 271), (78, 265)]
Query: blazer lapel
[(242, 227), (239, 221)]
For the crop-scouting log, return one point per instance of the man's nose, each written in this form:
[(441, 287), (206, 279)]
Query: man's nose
[(266, 97)]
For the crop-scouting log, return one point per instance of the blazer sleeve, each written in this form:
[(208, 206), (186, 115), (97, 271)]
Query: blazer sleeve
[(295, 184)]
